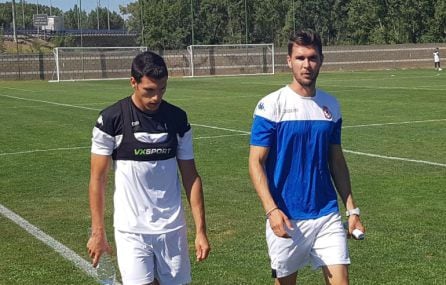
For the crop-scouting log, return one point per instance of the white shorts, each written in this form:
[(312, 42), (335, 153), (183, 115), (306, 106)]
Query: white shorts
[(321, 242), (144, 257)]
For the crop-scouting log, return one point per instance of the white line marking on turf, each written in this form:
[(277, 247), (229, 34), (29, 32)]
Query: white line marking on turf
[(395, 123), (19, 89), (43, 150), (223, 129), (395, 158), (220, 136), (326, 86), (49, 102), (49, 241)]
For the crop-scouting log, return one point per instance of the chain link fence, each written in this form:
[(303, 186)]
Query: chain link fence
[(38, 63)]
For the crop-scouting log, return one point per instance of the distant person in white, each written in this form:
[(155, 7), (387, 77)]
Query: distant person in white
[(148, 140), (437, 59)]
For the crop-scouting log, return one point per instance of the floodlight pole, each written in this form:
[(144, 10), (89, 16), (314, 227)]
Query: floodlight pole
[(23, 13), (294, 19), (142, 21), (97, 11), (82, 44), (13, 21), (108, 15), (192, 19), (246, 24), (80, 21), (38, 27)]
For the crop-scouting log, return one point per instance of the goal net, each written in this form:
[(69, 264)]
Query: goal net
[(239, 59), (93, 63)]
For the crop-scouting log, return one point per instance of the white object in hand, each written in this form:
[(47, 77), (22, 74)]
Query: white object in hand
[(106, 270), (358, 234)]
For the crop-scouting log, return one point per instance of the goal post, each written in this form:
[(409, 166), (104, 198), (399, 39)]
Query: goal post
[(93, 63), (231, 59)]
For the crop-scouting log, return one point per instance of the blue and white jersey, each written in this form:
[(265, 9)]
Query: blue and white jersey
[(298, 132)]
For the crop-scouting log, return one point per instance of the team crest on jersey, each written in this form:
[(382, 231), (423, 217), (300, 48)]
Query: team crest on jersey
[(100, 121), (327, 113), (261, 106)]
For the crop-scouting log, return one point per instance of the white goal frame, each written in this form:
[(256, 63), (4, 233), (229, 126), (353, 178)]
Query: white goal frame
[(93, 63), (231, 59)]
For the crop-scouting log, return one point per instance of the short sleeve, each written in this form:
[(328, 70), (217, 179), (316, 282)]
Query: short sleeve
[(262, 132), (185, 150), (335, 137), (107, 132)]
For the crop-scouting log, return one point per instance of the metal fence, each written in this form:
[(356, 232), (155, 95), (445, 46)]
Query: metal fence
[(41, 66)]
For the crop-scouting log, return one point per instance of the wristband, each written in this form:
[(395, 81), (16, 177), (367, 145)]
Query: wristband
[(354, 211), (270, 211)]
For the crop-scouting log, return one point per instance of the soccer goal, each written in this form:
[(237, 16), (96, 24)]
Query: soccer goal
[(93, 63), (238, 59)]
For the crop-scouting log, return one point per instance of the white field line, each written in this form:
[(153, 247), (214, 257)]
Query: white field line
[(383, 88), (19, 89), (395, 158), (43, 150), (221, 136), (223, 129), (49, 102), (49, 241), (395, 123)]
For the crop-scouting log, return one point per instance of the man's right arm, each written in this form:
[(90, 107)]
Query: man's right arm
[(97, 244), (277, 219)]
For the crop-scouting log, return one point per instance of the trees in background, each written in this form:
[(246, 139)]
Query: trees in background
[(172, 24), (169, 23)]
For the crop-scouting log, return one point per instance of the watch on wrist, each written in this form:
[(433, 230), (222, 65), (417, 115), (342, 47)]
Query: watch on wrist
[(354, 211)]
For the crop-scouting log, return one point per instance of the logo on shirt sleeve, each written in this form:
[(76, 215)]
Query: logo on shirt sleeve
[(327, 113), (100, 121), (261, 106)]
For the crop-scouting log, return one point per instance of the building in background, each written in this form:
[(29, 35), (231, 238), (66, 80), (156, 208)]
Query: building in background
[(55, 24)]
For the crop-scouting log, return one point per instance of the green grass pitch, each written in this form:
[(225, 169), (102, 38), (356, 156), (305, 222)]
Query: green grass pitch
[(395, 141)]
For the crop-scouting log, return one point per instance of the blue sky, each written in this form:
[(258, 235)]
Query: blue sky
[(86, 4)]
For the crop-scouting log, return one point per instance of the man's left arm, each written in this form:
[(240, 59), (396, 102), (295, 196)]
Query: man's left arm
[(341, 178), (194, 192)]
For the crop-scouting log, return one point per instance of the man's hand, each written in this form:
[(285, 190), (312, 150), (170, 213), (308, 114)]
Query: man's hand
[(354, 222), (96, 246), (278, 221), (202, 247)]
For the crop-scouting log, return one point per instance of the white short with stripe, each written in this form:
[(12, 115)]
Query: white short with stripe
[(319, 242), (144, 257)]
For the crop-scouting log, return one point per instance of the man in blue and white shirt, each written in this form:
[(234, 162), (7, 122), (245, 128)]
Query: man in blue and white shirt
[(295, 155)]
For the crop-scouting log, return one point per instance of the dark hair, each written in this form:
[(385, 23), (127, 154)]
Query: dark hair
[(148, 64), (305, 37)]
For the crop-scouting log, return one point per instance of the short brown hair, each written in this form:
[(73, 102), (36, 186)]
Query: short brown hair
[(305, 37)]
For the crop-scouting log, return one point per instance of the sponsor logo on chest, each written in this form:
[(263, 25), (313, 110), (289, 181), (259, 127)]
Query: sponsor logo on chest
[(150, 151)]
